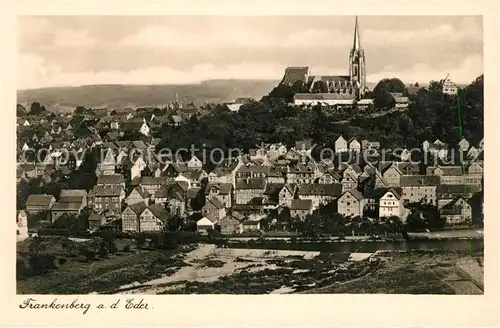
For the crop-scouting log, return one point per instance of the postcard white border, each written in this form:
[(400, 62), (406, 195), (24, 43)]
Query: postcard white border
[(266, 310)]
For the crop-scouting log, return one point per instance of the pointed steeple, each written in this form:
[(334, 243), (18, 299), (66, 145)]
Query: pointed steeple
[(357, 43)]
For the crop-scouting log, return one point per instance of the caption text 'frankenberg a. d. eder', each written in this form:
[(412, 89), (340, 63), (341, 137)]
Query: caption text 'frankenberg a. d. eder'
[(84, 307)]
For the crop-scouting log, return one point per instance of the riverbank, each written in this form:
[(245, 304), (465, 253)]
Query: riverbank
[(432, 235)]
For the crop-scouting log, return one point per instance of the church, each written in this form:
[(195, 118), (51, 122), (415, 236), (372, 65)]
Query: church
[(340, 90)]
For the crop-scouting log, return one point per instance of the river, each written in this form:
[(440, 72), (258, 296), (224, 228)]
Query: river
[(369, 247)]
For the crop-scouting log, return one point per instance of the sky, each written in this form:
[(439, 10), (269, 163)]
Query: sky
[(86, 50)]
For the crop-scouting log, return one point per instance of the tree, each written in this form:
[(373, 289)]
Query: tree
[(140, 240), (20, 110), (382, 90), (36, 108)]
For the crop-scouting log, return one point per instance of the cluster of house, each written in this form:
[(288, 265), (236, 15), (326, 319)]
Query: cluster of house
[(146, 193)]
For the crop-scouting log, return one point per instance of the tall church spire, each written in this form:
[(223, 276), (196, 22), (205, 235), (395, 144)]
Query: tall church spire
[(357, 43), (357, 65)]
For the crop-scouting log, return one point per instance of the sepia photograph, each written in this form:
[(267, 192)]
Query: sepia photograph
[(332, 154)]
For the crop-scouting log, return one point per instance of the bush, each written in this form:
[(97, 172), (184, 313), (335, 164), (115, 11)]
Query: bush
[(62, 260)]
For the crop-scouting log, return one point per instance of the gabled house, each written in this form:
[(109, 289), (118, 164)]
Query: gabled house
[(420, 188), (354, 145), (279, 194), (251, 224), (391, 204), (152, 184), (463, 145), (73, 196), (194, 163), (221, 191), (111, 180), (320, 194), (39, 202), (154, 218), (232, 223), (392, 175), (137, 195), (341, 145), (214, 208), (300, 208), (351, 203), (108, 198), (457, 211), (248, 189), (108, 164), (205, 224), (130, 217), (68, 208)]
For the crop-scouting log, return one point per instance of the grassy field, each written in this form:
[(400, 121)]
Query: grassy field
[(74, 275), (418, 273)]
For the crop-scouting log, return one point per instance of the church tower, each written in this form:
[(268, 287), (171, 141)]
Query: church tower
[(357, 68)]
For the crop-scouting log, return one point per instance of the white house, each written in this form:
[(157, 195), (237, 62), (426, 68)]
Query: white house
[(354, 145), (472, 153), (195, 163), (205, 224), (341, 145), (463, 145), (137, 168), (405, 155), (144, 129), (449, 87), (22, 226), (425, 146), (391, 204)]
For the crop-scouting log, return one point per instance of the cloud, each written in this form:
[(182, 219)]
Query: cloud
[(467, 71), (237, 36), (73, 38), (35, 72)]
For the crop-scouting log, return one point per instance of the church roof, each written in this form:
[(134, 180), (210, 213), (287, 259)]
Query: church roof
[(324, 96), (294, 74)]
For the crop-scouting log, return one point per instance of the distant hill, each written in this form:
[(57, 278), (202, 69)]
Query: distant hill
[(120, 96)]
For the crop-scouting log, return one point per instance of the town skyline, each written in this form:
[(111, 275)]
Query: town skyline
[(57, 51)]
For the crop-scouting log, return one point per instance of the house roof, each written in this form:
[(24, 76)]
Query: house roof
[(139, 144), (192, 193), (224, 188), (104, 191), (152, 180), (251, 183), (301, 204), (419, 180), (458, 189), (355, 193), (316, 189), (137, 208), (398, 97), (451, 204), (160, 212), (216, 202), (114, 179), (142, 192), (39, 200), (450, 170), (73, 193), (58, 206)]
